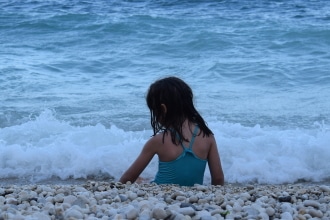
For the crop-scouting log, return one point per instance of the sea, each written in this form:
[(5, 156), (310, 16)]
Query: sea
[(74, 76)]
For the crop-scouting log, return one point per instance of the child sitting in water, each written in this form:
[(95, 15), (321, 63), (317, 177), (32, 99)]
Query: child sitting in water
[(181, 139)]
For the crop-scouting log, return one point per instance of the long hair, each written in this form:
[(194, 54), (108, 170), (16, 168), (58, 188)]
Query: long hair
[(177, 96)]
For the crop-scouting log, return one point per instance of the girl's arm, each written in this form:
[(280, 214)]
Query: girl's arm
[(217, 176), (140, 163)]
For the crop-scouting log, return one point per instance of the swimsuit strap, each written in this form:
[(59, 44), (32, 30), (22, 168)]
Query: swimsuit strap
[(194, 134), (193, 137)]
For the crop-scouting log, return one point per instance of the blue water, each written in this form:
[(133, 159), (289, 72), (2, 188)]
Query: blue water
[(74, 74)]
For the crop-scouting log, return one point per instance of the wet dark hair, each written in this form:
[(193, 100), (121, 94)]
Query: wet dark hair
[(177, 96)]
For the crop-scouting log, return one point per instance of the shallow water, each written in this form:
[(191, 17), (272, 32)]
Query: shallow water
[(73, 78)]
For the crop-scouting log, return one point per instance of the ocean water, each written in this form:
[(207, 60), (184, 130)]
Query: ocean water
[(74, 75)]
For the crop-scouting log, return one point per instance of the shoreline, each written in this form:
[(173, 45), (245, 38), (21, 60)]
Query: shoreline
[(92, 199), (81, 181)]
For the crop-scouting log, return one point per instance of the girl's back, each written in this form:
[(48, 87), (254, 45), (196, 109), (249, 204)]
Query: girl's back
[(182, 163), (168, 151)]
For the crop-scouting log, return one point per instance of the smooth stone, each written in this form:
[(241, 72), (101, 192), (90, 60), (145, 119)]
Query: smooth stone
[(117, 199), (158, 213), (178, 217), (132, 196), (202, 201), (81, 201), (193, 199), (131, 212), (286, 216), (187, 211), (315, 213), (184, 204), (219, 200), (251, 212), (24, 195), (141, 193), (286, 207), (80, 189), (59, 198), (50, 199), (2, 200), (301, 217), (69, 199), (202, 188), (284, 199), (250, 187), (216, 211), (123, 198), (101, 188), (237, 207), (325, 188), (311, 203), (270, 211), (263, 216), (176, 194), (119, 217), (73, 213), (232, 216), (2, 191), (180, 198), (218, 217), (245, 196), (40, 215), (145, 215), (203, 215), (11, 201)]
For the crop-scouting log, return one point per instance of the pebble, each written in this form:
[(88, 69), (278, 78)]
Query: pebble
[(187, 211), (312, 203), (111, 200), (325, 188)]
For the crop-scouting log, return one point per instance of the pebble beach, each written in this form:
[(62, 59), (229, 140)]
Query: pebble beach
[(113, 200)]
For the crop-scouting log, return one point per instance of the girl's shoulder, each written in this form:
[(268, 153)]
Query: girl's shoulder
[(158, 138)]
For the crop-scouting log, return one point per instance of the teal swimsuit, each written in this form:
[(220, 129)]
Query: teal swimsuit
[(186, 170)]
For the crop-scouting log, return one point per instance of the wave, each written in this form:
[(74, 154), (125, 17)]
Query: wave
[(46, 147)]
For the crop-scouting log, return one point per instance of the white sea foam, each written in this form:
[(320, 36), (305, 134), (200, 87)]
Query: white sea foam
[(47, 147)]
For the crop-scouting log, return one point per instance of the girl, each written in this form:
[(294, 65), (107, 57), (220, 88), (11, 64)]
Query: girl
[(181, 139)]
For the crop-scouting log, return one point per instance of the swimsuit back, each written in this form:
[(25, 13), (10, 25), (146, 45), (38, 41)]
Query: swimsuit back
[(186, 170)]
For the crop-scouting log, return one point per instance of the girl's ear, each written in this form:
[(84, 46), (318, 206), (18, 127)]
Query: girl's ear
[(164, 108)]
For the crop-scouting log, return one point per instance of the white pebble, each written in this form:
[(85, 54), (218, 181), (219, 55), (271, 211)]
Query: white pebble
[(286, 216), (187, 211), (325, 188), (11, 201), (59, 198), (263, 216), (69, 199), (312, 203), (203, 214), (193, 199), (286, 207), (245, 196), (38, 215), (117, 199), (270, 211), (132, 196), (237, 207), (180, 198), (202, 188), (131, 212), (73, 213), (141, 193), (158, 213), (315, 213)]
